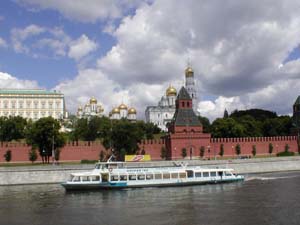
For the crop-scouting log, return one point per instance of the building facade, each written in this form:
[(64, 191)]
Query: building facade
[(163, 113), (122, 111), (32, 103), (92, 108)]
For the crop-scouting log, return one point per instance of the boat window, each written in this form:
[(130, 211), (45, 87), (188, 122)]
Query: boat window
[(220, 173), (190, 173), (149, 176), (174, 175), (182, 175), (114, 178), (157, 176), (227, 174), (104, 177), (205, 174), (123, 177), (95, 178), (141, 177), (84, 179), (76, 179), (198, 174), (166, 176), (132, 177), (213, 174)]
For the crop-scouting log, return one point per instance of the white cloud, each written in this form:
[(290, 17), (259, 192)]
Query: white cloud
[(3, 43), (9, 81), (235, 49), (85, 11), (81, 47)]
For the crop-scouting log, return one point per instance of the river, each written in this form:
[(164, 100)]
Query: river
[(262, 199)]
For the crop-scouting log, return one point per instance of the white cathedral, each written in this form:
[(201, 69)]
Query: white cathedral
[(164, 111), (90, 109)]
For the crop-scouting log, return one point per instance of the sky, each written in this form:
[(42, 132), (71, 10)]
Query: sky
[(245, 54)]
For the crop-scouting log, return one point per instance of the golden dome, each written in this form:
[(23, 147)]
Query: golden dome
[(115, 110), (132, 111), (123, 106), (93, 100), (189, 72), (171, 91), (79, 108)]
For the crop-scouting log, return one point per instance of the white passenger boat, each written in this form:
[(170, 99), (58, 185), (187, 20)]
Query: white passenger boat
[(112, 175)]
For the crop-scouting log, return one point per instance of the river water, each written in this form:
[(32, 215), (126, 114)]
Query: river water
[(261, 199)]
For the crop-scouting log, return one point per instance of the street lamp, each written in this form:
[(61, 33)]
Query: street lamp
[(175, 153), (53, 155), (208, 149)]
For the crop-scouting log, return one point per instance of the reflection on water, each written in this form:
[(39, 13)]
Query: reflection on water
[(261, 199)]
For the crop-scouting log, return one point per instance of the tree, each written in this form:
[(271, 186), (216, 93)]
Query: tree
[(205, 124), (57, 154), (33, 154), (183, 153), (238, 149), (143, 151), (286, 148), (202, 151), (227, 128), (122, 154), (221, 153), (254, 150), (163, 152), (101, 156), (44, 134), (12, 128), (225, 114), (7, 156), (270, 148)]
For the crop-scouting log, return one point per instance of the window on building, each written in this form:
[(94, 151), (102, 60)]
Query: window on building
[(188, 104), (182, 104)]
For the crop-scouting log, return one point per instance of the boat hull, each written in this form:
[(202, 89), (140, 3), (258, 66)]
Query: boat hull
[(123, 185)]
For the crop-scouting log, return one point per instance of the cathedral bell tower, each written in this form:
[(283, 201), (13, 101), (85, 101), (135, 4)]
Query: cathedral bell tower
[(191, 86)]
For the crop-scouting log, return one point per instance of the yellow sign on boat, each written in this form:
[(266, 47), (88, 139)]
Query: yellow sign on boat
[(137, 158)]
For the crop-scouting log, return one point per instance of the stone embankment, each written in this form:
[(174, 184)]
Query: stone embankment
[(58, 173)]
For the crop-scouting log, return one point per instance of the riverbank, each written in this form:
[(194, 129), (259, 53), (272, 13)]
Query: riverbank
[(45, 174)]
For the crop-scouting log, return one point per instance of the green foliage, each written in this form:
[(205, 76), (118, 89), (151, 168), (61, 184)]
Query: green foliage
[(257, 114), (270, 148), (183, 153), (163, 152), (7, 156), (285, 154), (254, 150), (202, 151), (227, 128), (44, 134), (225, 114), (221, 153), (286, 148), (86, 161), (252, 123), (122, 154), (205, 123), (12, 128), (238, 149), (101, 156), (33, 155)]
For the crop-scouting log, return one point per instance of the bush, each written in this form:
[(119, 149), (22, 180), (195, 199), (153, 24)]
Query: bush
[(221, 153), (202, 151), (33, 155), (7, 156), (87, 161), (270, 148), (57, 154), (238, 149), (163, 152), (183, 153), (285, 154), (254, 150)]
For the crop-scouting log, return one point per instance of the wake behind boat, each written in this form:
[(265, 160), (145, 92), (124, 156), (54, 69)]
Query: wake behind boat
[(114, 175)]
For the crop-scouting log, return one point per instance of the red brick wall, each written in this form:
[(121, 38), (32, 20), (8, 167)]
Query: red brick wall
[(73, 152), (262, 145)]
